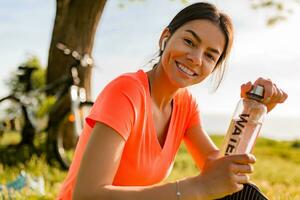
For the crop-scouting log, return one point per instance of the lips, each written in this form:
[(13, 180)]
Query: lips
[(186, 70)]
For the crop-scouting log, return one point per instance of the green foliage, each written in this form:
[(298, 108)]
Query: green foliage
[(37, 77), (122, 4), (280, 9), (38, 80), (45, 106)]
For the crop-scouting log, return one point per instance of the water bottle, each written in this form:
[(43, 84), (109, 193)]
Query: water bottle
[(23, 181), (245, 123)]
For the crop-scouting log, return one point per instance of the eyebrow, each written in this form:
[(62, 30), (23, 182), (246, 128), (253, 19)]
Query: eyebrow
[(199, 40)]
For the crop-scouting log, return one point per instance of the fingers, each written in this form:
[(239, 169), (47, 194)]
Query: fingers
[(239, 171), (242, 158), (279, 96), (246, 87), (272, 94), (237, 181), (227, 174), (268, 88), (242, 178), (284, 97), (238, 168), (236, 187)]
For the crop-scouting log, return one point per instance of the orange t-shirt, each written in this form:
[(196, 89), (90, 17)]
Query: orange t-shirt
[(125, 105)]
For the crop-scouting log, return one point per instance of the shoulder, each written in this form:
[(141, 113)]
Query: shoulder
[(189, 108), (127, 80), (186, 101), (130, 86), (185, 97), (129, 83)]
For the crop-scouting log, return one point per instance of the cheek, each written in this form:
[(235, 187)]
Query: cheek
[(168, 58), (208, 69), (165, 61), (175, 50)]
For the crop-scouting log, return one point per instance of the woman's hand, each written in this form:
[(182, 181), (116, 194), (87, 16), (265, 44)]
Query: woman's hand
[(224, 176), (272, 95)]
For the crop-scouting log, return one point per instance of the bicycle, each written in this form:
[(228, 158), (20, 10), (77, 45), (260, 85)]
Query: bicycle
[(20, 110)]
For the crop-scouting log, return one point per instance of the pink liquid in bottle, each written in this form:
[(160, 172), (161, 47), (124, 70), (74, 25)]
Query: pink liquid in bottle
[(245, 124)]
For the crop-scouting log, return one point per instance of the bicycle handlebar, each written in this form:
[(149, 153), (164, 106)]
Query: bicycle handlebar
[(26, 68), (24, 73), (84, 60)]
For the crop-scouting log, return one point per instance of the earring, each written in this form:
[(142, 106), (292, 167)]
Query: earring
[(163, 45)]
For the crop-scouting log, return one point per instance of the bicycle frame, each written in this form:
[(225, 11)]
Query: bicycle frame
[(28, 100), (65, 85)]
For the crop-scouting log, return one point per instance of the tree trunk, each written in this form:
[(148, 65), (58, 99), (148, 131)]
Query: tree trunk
[(75, 25)]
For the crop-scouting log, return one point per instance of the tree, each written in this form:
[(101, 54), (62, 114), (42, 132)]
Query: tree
[(75, 25)]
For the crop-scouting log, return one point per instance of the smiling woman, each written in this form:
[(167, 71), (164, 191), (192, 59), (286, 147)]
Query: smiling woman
[(219, 32), (138, 121), (191, 47)]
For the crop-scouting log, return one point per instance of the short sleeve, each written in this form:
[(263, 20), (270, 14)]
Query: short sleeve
[(195, 114), (114, 106)]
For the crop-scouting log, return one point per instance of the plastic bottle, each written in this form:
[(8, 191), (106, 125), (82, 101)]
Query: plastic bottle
[(23, 181), (245, 123)]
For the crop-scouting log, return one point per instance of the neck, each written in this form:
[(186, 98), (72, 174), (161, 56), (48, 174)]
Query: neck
[(161, 89)]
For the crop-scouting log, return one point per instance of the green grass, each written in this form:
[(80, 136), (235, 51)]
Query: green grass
[(277, 170)]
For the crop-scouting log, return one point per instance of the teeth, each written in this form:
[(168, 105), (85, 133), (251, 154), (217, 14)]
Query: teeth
[(186, 70)]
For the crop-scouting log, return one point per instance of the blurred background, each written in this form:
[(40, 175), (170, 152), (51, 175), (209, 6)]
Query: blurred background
[(127, 38), (266, 45)]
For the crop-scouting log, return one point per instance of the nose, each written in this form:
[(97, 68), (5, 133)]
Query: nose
[(195, 57)]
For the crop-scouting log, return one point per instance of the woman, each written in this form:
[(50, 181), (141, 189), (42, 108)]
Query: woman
[(138, 121)]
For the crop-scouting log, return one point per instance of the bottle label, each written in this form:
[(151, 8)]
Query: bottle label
[(236, 131)]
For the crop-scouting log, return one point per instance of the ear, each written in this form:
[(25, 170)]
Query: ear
[(164, 38)]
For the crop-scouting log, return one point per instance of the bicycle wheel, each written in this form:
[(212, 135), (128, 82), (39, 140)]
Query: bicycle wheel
[(67, 136), (11, 116)]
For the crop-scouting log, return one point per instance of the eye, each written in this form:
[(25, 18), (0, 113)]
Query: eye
[(189, 42), (210, 57)]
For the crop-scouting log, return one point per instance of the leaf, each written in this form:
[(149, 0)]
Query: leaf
[(274, 20)]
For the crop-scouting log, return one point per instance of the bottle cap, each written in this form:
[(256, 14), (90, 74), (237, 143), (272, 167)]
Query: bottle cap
[(256, 93)]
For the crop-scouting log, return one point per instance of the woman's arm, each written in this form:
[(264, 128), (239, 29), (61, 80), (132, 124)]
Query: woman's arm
[(200, 145), (102, 157), (100, 163), (221, 175)]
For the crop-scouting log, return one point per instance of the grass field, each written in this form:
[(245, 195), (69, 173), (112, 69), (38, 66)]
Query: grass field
[(277, 170)]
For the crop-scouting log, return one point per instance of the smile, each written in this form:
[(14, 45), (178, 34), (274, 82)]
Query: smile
[(185, 70)]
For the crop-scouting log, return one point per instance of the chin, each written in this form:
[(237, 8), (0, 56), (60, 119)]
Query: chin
[(181, 83)]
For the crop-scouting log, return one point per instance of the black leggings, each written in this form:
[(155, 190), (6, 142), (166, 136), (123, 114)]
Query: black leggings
[(249, 192)]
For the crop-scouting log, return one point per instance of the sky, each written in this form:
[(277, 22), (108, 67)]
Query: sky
[(127, 38)]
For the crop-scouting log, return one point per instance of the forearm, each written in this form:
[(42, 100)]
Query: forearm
[(190, 189)]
